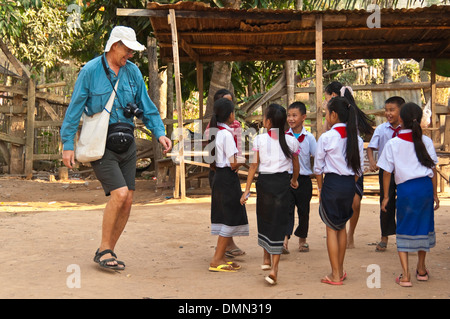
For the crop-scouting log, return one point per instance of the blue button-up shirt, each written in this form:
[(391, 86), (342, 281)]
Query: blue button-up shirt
[(92, 91)]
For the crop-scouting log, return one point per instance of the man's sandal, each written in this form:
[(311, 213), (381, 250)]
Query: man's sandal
[(104, 263)]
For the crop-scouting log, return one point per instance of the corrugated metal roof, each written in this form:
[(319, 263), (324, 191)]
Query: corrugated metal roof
[(213, 34)]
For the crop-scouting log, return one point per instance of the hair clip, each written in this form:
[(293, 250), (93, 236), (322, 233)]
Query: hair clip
[(342, 90)]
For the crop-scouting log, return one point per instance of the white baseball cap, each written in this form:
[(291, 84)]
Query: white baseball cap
[(127, 36)]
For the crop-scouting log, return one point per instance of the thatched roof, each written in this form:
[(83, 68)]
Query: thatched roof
[(212, 34)]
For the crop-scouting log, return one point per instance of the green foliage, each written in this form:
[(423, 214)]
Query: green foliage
[(10, 16), (38, 32)]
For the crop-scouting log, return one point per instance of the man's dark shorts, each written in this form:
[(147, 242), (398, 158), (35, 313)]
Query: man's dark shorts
[(115, 170)]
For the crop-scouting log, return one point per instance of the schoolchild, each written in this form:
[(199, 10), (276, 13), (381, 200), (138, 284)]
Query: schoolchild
[(383, 133), (364, 124), (232, 250), (228, 216), (412, 159), (275, 154), (339, 156), (296, 115)]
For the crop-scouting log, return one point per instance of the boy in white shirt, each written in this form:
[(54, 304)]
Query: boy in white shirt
[(383, 133), (296, 115)]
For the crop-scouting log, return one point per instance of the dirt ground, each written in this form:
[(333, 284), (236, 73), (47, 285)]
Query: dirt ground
[(50, 231)]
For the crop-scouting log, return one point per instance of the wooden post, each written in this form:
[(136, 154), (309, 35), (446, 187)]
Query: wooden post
[(200, 88), (176, 64), (436, 137), (17, 129), (29, 144), (290, 81), (153, 92), (319, 75), (169, 98)]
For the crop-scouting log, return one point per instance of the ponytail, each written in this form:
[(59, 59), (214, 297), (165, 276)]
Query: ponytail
[(221, 113), (347, 114), (277, 116), (363, 122), (411, 115)]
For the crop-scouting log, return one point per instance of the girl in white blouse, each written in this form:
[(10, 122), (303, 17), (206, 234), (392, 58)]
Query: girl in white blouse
[(412, 158), (276, 154), (339, 156), (228, 216)]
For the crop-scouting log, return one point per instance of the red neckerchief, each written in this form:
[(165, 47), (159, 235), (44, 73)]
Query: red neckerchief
[(272, 134), (396, 130), (234, 136), (300, 138), (406, 136), (342, 130)]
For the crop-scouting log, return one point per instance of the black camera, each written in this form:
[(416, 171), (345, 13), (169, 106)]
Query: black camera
[(132, 109)]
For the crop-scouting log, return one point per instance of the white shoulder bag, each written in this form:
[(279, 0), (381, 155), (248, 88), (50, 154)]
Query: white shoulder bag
[(92, 141)]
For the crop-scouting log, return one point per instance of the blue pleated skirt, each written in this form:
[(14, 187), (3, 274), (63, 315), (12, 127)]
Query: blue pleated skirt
[(336, 199), (415, 215)]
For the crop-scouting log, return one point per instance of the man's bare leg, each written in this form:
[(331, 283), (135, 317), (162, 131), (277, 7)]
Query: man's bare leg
[(115, 217)]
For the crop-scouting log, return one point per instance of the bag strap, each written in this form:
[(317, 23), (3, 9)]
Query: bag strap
[(108, 75), (109, 78)]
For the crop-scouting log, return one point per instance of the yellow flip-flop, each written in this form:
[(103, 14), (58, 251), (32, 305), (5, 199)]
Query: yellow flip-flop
[(222, 268), (235, 266)]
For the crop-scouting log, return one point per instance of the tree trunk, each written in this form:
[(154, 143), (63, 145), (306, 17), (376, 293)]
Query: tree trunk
[(220, 79), (221, 74), (388, 70)]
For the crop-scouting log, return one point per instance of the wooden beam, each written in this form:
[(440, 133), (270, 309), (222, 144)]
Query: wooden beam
[(12, 139), (176, 63), (49, 109), (356, 45), (213, 14), (189, 50), (233, 33), (50, 85), (11, 58), (319, 72), (29, 144)]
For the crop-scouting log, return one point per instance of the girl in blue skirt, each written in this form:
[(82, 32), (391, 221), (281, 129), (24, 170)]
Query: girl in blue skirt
[(339, 156), (412, 158)]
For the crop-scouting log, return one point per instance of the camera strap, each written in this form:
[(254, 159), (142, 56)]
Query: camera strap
[(108, 75)]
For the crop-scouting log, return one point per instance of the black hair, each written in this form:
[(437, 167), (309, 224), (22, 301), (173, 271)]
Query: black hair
[(222, 110), (364, 123), (298, 105), (411, 115), (221, 93), (346, 113), (398, 100), (277, 116)]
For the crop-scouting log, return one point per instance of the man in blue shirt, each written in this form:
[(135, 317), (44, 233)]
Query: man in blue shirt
[(116, 169)]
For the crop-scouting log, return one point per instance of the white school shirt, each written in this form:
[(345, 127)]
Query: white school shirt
[(382, 134), (308, 147), (330, 153), (225, 146), (399, 156), (271, 156)]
